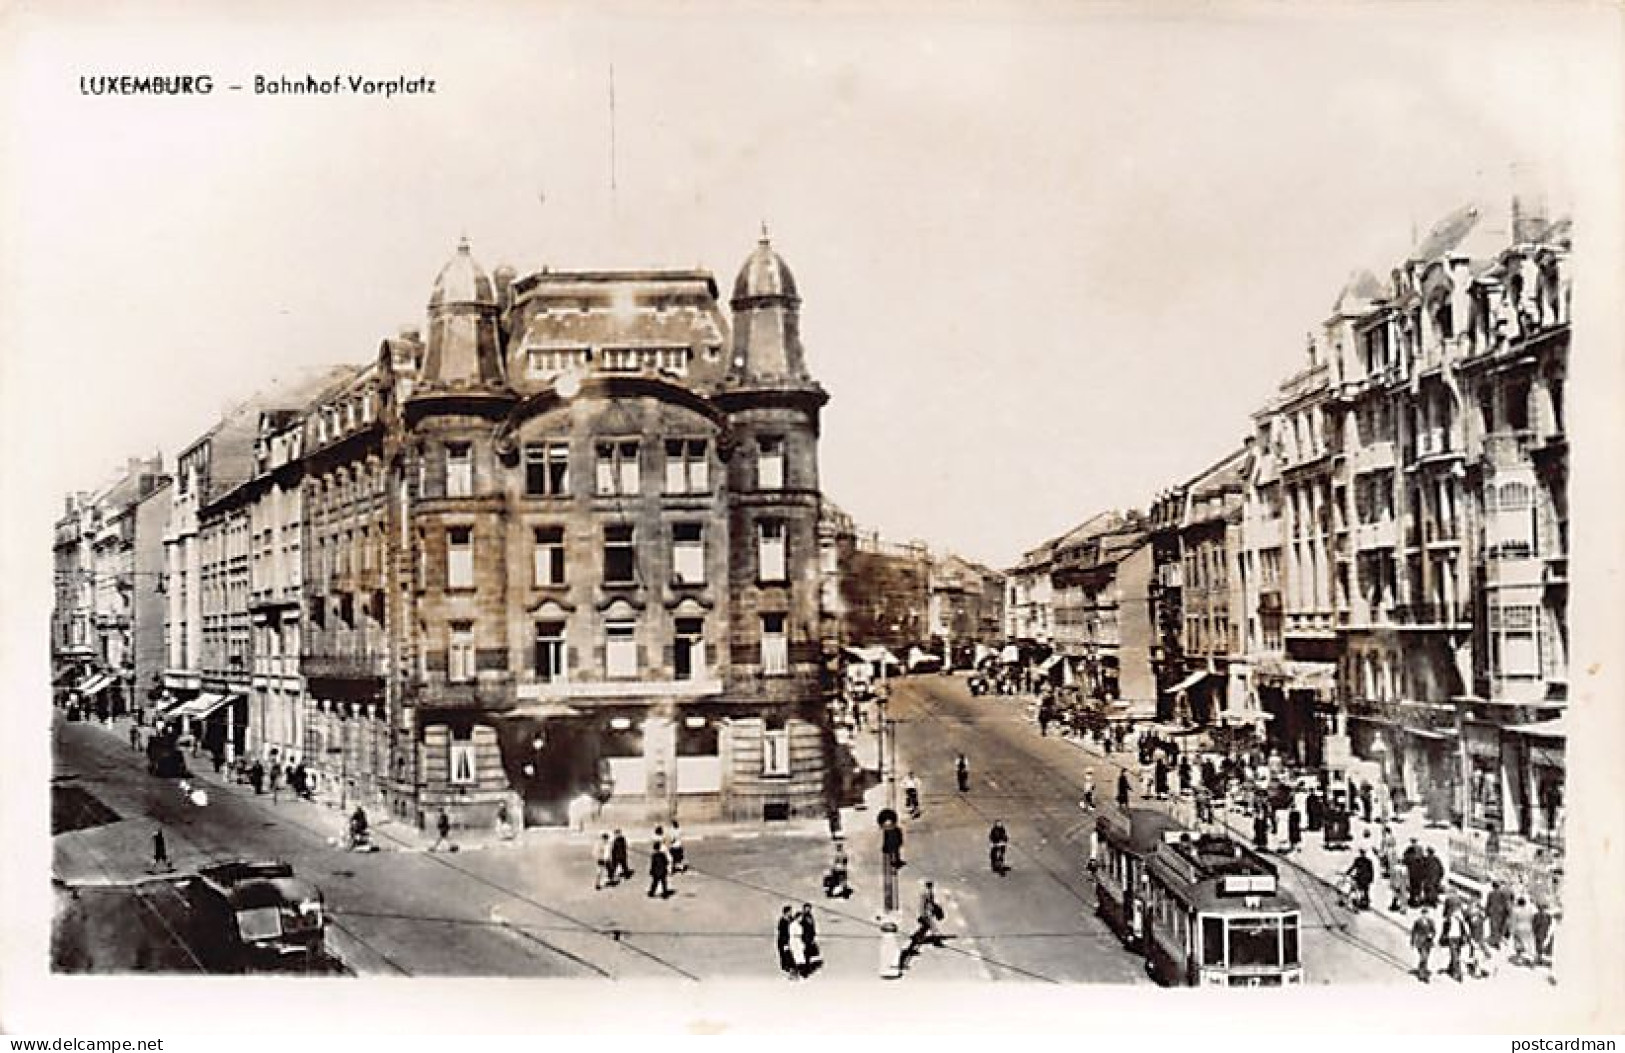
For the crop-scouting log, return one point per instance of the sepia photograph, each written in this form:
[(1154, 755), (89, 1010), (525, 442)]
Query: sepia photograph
[(964, 513)]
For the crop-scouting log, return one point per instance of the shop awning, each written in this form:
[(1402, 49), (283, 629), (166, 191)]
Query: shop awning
[(95, 685), (1190, 681), (1429, 733), (1544, 729), (543, 711), (873, 655), (203, 706)]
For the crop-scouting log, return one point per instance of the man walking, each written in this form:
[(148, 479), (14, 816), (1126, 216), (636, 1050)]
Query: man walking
[(962, 773), (160, 851), (659, 867), (618, 867), (1122, 789), (679, 855), (603, 874), (1498, 913), (929, 914), (442, 827), (135, 736), (1422, 932), (1089, 789), (1412, 860), (1432, 877)]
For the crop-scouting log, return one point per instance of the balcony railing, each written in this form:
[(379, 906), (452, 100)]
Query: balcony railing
[(1423, 615), (1508, 449)]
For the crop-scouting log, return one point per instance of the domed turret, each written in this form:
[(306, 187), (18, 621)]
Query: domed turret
[(767, 322), (463, 339)]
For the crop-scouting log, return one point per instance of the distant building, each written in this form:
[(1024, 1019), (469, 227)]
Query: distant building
[(1029, 598), (1101, 578)]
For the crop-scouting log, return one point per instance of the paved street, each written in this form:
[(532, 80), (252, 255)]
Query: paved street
[(1035, 785), (528, 908)]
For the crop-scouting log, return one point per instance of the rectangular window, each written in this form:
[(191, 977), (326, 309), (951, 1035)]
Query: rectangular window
[(618, 468), (770, 550), (460, 558), (459, 469), (547, 469), (620, 556), (776, 752), (770, 463), (775, 646), (688, 656), (549, 555), (550, 652), (620, 649), (461, 652), (688, 553), (462, 766), (687, 466)]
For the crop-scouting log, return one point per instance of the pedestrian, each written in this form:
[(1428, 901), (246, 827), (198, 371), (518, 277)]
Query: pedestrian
[(1453, 936), (1475, 952), (1160, 778), (1365, 799), (835, 882), (1398, 883), (1498, 912), (618, 867), (1422, 933), (1294, 829), (930, 913), (1523, 932), (256, 775), (1089, 789), (1122, 789), (962, 773), (1045, 715), (504, 824), (442, 826), (1363, 872), (811, 956), (659, 867), (1412, 860), (911, 795), (679, 855), (603, 875), (997, 841), (891, 843), (160, 851), (1315, 809), (358, 827), (787, 961), (1432, 876), (1261, 828), (1540, 928), (1385, 847), (135, 736)]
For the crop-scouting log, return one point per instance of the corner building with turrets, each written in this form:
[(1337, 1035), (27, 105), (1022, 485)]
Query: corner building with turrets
[(584, 556)]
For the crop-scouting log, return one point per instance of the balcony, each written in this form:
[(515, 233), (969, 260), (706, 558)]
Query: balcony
[(1373, 457), (1432, 446), (1384, 534), (1433, 616), (1441, 535), (345, 667), (1508, 449)]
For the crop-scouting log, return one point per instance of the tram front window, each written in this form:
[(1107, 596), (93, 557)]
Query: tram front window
[(1255, 942)]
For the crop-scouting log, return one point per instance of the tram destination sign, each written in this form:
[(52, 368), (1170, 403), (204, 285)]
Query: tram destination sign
[(1247, 885)]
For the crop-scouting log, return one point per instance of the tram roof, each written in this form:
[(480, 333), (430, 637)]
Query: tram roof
[(1141, 832)]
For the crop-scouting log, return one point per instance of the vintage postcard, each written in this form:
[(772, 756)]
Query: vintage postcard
[(811, 517)]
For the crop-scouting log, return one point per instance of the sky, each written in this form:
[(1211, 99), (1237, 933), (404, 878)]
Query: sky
[(1051, 256)]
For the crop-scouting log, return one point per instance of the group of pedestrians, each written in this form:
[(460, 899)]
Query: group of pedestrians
[(667, 856), (1508, 928), (797, 941)]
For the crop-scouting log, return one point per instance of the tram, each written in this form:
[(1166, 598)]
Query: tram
[(1126, 842), (1217, 915)]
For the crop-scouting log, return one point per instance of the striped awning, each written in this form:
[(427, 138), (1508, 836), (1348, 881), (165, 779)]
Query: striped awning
[(96, 685)]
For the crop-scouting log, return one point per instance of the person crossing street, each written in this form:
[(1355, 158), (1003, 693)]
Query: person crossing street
[(998, 841), (962, 773)]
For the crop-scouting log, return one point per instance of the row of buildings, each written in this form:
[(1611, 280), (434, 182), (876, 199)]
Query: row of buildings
[(565, 541), (1376, 580)]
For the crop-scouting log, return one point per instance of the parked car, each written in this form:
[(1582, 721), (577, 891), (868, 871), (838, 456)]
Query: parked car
[(257, 916)]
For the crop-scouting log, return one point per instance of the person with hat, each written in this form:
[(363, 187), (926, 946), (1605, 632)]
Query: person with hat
[(1422, 933)]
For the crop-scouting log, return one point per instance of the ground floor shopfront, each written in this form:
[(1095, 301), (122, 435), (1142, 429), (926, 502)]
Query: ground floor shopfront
[(624, 760)]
